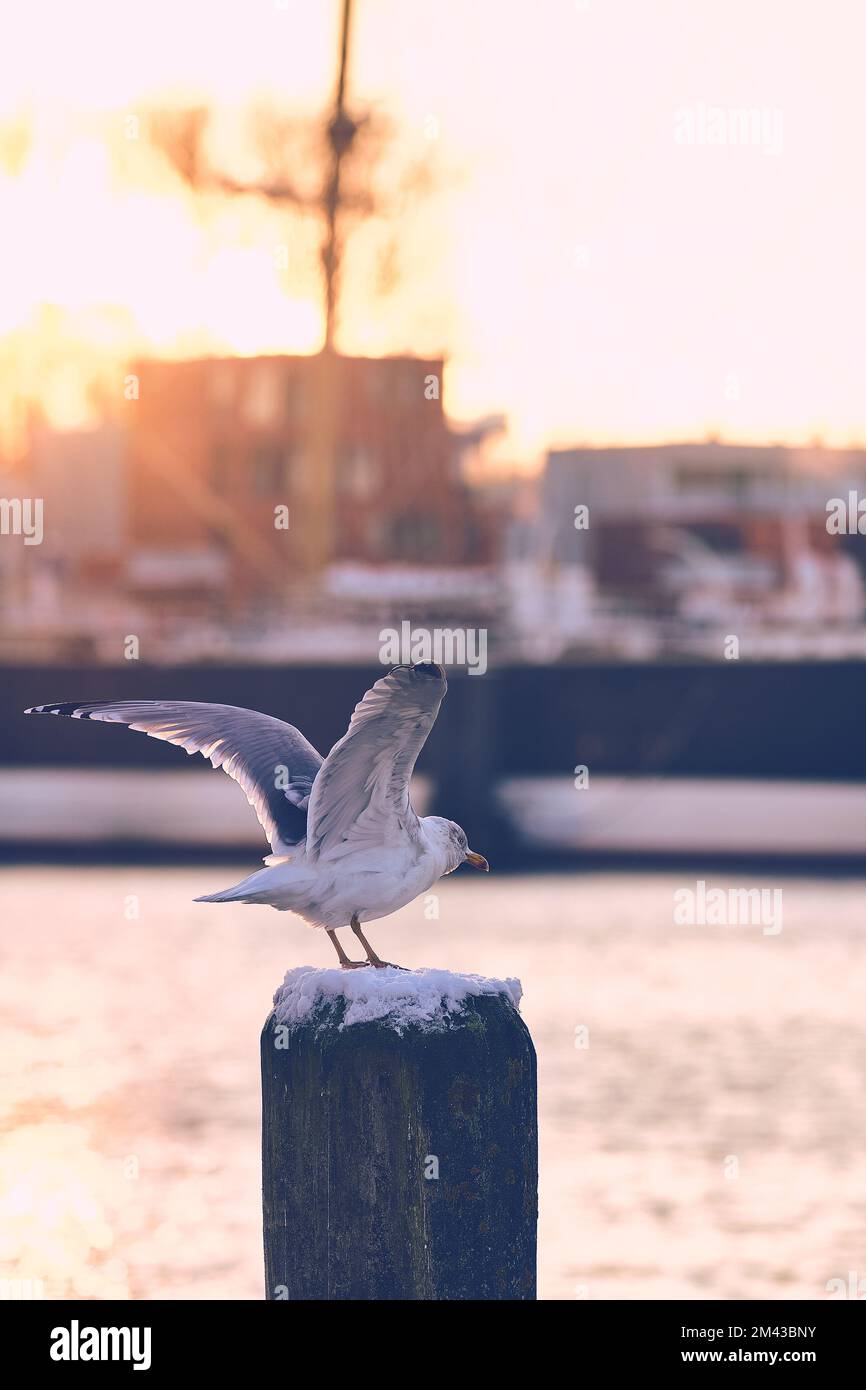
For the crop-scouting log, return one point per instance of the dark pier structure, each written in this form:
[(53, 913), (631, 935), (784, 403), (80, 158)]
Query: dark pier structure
[(733, 719)]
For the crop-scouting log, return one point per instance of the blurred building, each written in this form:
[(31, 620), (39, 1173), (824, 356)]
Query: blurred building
[(54, 595), (81, 475), (641, 549), (706, 510), (217, 446)]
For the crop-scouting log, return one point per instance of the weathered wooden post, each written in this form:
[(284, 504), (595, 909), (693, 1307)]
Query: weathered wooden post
[(399, 1138)]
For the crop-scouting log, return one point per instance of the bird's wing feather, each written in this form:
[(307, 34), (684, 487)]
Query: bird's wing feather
[(362, 791), (270, 760)]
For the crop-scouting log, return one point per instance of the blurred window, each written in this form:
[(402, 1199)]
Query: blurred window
[(269, 469), (262, 398), (358, 473), (220, 470), (735, 482), (415, 536), (295, 398)]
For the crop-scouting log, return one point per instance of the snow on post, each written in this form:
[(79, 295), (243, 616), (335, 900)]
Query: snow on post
[(399, 1137)]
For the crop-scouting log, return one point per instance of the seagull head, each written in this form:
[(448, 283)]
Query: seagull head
[(450, 839)]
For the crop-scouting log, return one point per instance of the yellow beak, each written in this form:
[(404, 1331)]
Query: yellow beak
[(477, 861)]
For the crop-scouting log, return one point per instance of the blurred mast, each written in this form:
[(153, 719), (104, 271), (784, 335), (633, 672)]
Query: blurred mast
[(341, 134)]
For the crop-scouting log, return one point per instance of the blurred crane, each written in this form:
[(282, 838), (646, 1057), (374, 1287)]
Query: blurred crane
[(180, 135)]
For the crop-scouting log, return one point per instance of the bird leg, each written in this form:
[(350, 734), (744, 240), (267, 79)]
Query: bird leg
[(372, 958), (345, 963)]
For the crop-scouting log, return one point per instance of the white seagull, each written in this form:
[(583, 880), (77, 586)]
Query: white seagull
[(347, 845)]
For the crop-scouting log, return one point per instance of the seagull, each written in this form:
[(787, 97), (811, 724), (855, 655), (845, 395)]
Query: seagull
[(347, 847)]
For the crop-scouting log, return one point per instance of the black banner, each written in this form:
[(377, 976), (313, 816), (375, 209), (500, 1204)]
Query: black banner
[(170, 1338)]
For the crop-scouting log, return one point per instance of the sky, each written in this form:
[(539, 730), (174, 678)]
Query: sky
[(607, 253)]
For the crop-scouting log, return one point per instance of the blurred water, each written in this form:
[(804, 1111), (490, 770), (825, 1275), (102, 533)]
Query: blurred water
[(708, 1143)]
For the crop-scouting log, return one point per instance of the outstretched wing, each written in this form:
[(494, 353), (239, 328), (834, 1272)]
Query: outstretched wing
[(272, 761), (361, 795)]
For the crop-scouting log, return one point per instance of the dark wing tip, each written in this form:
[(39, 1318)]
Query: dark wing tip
[(426, 678), (65, 707), (429, 670)]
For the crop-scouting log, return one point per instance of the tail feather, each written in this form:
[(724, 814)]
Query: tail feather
[(236, 895), (243, 892), (228, 895)]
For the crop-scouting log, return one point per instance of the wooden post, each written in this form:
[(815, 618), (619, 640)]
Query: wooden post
[(400, 1165)]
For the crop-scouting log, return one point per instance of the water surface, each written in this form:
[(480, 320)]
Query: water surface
[(709, 1142)]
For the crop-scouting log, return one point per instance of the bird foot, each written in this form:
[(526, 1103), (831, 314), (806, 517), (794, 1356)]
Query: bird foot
[(354, 964), (381, 964)]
